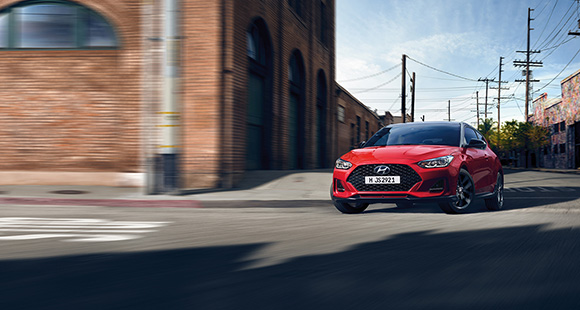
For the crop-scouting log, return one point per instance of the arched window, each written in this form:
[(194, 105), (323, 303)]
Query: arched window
[(54, 25), (256, 45), (259, 104)]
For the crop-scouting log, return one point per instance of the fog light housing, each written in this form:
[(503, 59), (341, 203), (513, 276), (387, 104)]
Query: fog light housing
[(439, 186), (339, 186)]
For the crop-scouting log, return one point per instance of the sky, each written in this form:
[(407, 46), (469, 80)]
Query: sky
[(450, 45)]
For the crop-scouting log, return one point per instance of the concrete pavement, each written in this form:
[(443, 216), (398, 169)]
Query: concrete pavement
[(274, 188), (259, 188)]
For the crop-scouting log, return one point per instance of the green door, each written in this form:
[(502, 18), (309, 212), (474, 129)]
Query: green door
[(255, 123)]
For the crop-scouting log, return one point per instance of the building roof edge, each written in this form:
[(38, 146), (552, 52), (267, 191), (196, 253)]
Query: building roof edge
[(342, 89)]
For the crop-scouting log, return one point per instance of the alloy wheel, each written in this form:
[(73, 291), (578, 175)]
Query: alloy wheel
[(464, 192)]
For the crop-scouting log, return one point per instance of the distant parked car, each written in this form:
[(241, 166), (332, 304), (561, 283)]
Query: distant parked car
[(448, 163)]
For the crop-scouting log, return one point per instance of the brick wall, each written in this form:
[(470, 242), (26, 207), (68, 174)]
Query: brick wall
[(347, 129), (74, 110), (94, 111), (216, 84)]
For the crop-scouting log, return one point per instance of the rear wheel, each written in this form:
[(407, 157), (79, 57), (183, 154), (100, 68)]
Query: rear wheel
[(351, 208), (495, 203), (464, 195)]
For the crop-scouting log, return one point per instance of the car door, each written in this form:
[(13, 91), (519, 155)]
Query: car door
[(490, 159), (477, 161)]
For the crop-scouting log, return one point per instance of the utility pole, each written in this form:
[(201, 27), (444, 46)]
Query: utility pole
[(170, 113), (413, 98), (499, 97), (575, 33), (527, 64), (449, 110), (477, 107), (486, 80), (403, 88)]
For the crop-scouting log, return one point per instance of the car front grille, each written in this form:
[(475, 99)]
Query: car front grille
[(408, 178)]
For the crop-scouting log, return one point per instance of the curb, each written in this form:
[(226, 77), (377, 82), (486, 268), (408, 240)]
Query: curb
[(235, 204), (567, 171), (102, 202)]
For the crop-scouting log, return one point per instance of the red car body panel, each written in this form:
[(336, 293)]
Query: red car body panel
[(482, 164)]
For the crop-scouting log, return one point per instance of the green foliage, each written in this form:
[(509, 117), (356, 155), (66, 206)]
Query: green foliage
[(488, 130), (517, 135)]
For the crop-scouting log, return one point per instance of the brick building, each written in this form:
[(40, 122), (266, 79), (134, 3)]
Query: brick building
[(81, 79), (562, 118), (356, 122)]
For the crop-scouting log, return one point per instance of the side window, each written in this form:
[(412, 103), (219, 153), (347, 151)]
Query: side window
[(469, 134), (480, 136), (3, 30), (54, 25), (341, 114)]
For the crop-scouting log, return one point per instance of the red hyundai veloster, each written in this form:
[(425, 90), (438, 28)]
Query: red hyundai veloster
[(448, 163)]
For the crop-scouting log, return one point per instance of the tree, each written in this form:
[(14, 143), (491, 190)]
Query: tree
[(513, 136), (538, 136), (522, 136), (487, 129)]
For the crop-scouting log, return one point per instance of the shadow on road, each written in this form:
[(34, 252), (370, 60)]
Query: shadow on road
[(514, 198), (255, 178), (529, 267)]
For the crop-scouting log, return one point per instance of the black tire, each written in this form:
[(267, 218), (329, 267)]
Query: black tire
[(495, 203), (351, 208), (464, 194)]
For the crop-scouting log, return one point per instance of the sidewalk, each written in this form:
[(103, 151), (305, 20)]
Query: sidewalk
[(259, 188), (275, 188), (572, 171)]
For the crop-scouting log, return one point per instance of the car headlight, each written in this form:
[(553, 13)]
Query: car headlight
[(342, 164), (438, 162)]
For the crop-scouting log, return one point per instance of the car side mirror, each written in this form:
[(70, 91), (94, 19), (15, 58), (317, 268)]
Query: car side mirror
[(477, 143), (360, 145)]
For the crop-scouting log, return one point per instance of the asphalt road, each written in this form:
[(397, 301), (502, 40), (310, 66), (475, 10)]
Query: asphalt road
[(299, 257)]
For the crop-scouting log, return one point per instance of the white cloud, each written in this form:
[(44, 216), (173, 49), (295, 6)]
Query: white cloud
[(354, 67)]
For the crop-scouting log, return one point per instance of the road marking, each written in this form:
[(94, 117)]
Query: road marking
[(541, 189), (536, 198), (74, 229)]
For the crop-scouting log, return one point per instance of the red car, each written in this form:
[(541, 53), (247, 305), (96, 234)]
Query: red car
[(448, 163)]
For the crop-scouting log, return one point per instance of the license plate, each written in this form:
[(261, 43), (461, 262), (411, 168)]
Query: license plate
[(383, 180)]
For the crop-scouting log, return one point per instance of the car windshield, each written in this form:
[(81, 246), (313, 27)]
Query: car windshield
[(433, 134)]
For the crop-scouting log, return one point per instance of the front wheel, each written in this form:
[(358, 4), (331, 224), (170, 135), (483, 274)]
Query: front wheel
[(464, 195), (351, 208), (495, 203)]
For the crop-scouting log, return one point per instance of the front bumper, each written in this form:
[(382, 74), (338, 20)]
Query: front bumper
[(383, 198), (434, 186)]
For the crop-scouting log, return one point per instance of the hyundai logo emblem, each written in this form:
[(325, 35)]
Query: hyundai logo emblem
[(382, 170)]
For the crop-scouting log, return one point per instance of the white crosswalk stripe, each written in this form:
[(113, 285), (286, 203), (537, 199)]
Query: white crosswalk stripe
[(73, 229)]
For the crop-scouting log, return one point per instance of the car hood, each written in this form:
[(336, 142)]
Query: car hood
[(398, 153)]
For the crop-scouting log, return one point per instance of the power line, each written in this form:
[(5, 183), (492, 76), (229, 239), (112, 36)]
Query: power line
[(442, 71), (560, 72), (545, 43), (556, 47), (423, 89), (371, 75), (440, 78), (546, 25), (380, 85), (545, 5)]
